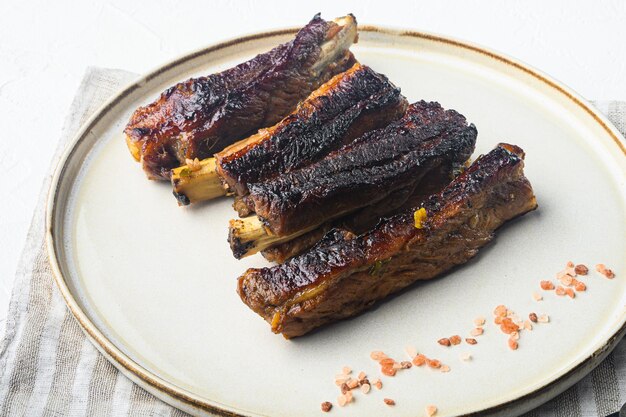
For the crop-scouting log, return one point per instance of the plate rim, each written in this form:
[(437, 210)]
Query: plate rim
[(182, 398)]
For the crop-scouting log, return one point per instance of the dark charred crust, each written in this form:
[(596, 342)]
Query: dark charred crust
[(140, 131), (182, 199), (334, 279), (201, 116), (368, 217), (364, 171), (349, 105), (238, 247)]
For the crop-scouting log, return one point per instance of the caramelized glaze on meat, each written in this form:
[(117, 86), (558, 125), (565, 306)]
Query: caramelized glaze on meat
[(345, 274), (201, 116), (366, 218), (365, 171), (347, 106)]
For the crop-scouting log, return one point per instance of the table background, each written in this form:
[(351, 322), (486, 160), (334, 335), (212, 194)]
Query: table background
[(45, 47)]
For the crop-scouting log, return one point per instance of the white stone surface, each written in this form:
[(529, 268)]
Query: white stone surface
[(45, 47)]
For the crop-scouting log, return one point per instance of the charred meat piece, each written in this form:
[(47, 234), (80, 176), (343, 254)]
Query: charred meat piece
[(343, 109), (345, 274), (350, 104), (360, 174), (367, 217), (201, 116), (365, 171)]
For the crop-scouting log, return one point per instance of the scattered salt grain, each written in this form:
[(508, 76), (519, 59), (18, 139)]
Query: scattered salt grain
[(411, 351), (444, 341), (377, 355), (581, 269), (601, 268), (419, 360), (431, 410), (544, 318), (477, 331)]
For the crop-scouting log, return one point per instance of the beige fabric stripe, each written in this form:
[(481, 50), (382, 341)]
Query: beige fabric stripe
[(47, 355), (18, 306), (84, 368), (617, 113), (101, 387), (18, 309), (23, 375), (120, 403), (141, 402), (159, 408), (67, 358), (178, 413)]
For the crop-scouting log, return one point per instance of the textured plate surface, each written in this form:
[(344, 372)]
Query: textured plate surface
[(154, 284)]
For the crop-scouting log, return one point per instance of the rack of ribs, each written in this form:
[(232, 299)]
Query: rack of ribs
[(345, 274), (201, 116), (363, 173), (350, 104)]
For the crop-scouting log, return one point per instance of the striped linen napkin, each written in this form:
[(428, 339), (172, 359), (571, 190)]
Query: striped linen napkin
[(48, 367)]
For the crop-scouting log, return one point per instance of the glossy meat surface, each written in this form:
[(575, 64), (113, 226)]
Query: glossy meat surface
[(198, 117), (345, 274), (347, 106), (365, 171), (366, 218)]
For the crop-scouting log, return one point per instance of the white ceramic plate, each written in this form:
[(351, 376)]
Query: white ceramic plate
[(153, 284)]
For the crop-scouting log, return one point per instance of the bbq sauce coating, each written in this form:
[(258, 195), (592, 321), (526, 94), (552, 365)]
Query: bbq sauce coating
[(201, 116), (366, 218), (345, 274), (365, 171), (347, 106)]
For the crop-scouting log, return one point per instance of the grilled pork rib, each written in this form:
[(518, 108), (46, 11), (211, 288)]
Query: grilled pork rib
[(201, 116), (345, 274), (360, 174), (367, 217), (342, 109)]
